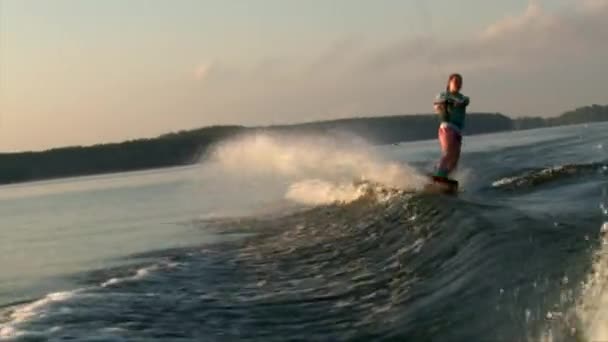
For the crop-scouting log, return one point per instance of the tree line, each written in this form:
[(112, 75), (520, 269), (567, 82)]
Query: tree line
[(187, 147)]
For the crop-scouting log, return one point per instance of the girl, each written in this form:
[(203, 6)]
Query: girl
[(451, 106)]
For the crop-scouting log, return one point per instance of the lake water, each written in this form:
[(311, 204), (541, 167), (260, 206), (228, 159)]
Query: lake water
[(270, 240)]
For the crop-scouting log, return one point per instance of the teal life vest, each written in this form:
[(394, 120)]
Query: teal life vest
[(455, 109)]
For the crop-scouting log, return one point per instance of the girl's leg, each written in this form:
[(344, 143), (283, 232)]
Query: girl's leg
[(443, 167), (450, 142), (454, 151)]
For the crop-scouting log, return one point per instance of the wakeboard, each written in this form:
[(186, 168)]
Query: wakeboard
[(441, 185)]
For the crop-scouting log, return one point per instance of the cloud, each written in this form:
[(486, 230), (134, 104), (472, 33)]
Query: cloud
[(539, 37), (533, 18), (528, 64), (594, 5), (202, 70)]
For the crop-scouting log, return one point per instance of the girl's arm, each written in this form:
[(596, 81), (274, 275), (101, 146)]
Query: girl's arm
[(439, 108), (440, 104)]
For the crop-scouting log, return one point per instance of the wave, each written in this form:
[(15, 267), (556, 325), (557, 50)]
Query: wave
[(18, 323), (372, 260), (536, 177), (139, 273), (406, 266), (24, 313)]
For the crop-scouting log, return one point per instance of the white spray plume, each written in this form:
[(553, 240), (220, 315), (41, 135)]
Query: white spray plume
[(320, 170)]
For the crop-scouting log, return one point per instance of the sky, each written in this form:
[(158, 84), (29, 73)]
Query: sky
[(81, 72)]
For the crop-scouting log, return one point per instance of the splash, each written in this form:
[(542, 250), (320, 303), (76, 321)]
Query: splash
[(318, 170), (317, 192), (592, 308)]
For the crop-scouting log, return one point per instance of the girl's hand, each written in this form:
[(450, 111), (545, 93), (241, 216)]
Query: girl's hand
[(439, 108)]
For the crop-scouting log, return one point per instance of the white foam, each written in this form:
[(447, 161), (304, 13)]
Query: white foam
[(26, 312), (9, 331), (316, 192), (139, 274), (592, 309), (504, 181), (604, 208), (511, 180)]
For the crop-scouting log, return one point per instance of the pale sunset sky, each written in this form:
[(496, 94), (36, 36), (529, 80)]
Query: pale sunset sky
[(87, 71)]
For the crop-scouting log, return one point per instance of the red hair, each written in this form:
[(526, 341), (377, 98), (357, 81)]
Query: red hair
[(453, 76)]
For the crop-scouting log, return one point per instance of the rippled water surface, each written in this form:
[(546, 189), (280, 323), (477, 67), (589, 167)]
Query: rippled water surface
[(270, 240)]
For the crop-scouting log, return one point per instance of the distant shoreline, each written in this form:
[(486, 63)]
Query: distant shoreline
[(189, 146)]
